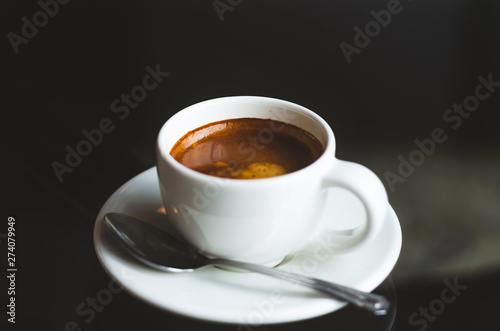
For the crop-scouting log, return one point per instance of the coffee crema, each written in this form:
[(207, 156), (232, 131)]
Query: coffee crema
[(247, 148)]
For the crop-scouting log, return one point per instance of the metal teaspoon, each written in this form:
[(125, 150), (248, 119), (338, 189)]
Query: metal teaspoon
[(162, 251)]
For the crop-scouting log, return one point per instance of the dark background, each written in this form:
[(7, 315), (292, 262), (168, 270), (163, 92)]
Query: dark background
[(396, 90)]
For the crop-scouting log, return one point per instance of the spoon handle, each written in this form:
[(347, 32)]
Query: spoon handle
[(377, 304)]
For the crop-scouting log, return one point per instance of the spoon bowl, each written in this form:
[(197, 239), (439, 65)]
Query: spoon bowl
[(153, 246)]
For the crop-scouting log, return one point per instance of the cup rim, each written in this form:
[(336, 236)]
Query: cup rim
[(163, 155)]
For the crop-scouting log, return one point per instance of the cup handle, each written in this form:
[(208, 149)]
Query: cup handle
[(368, 188)]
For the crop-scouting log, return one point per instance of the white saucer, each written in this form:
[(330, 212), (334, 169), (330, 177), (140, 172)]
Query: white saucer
[(231, 297)]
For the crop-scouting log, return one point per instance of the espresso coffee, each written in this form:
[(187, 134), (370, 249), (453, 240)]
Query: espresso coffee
[(247, 148)]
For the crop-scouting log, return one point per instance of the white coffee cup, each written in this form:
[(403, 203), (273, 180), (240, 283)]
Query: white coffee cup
[(260, 220)]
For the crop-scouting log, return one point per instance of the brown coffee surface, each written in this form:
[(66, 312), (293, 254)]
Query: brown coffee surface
[(247, 148)]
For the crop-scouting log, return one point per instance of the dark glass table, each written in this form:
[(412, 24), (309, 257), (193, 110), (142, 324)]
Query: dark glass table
[(410, 88)]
